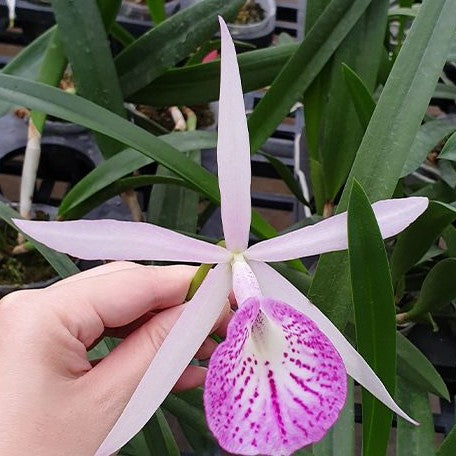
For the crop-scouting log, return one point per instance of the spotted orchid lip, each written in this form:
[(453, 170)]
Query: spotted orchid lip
[(276, 384)]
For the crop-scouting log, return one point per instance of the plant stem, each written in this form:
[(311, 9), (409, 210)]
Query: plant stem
[(131, 200)]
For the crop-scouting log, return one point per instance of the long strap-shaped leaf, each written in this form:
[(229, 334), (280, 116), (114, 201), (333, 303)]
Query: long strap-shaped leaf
[(125, 162), (340, 439), (448, 447), (83, 34), (170, 42), (83, 112), (415, 368), (416, 239), (337, 133), (313, 53), (404, 100), (414, 440), (196, 84), (27, 63), (391, 132), (375, 322), (122, 185)]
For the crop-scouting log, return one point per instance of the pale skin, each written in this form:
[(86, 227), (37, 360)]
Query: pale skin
[(52, 400)]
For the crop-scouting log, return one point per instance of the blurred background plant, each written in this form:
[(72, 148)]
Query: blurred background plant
[(105, 98)]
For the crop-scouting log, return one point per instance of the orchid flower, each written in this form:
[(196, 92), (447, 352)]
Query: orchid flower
[(278, 381)]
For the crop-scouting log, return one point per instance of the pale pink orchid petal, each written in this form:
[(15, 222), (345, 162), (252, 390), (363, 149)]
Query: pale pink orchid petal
[(329, 235), (275, 286), (276, 384), (174, 355), (233, 150), (118, 240), (245, 284)]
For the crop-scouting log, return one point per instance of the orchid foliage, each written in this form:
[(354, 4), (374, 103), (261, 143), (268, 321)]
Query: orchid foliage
[(279, 380)]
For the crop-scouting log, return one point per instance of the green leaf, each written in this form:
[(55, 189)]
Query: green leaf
[(448, 446), (137, 446), (172, 206), (414, 367), (447, 173), (445, 91), (439, 190), (159, 437), (197, 84), (414, 440), (125, 162), (175, 207), (297, 75), (122, 185), (203, 444), (404, 100), (287, 177), (298, 278), (340, 439), (438, 290), (59, 261), (121, 34), (451, 57), (51, 72), (27, 63), (170, 42), (387, 141), (86, 45), (428, 136), (197, 57), (156, 10), (375, 322), (415, 240), (83, 112), (360, 95), (318, 181), (449, 149), (108, 11), (188, 413), (449, 236), (339, 131), (404, 22)]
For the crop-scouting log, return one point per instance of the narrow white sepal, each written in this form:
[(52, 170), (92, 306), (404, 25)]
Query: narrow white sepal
[(330, 235), (233, 150), (174, 355), (120, 240)]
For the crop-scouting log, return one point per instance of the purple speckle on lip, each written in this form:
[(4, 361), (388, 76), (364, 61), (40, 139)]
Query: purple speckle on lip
[(283, 386)]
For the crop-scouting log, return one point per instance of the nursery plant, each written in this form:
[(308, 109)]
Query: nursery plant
[(366, 73)]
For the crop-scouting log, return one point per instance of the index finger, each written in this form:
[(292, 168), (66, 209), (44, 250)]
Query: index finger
[(115, 299)]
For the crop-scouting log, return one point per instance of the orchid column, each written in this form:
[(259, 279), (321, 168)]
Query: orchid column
[(278, 382)]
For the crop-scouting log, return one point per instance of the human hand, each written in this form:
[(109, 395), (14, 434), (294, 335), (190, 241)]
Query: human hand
[(52, 401)]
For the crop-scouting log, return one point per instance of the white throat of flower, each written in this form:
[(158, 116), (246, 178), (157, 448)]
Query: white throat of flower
[(245, 284)]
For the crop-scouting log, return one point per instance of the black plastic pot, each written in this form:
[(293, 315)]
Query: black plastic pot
[(7, 288), (260, 33), (58, 164)]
